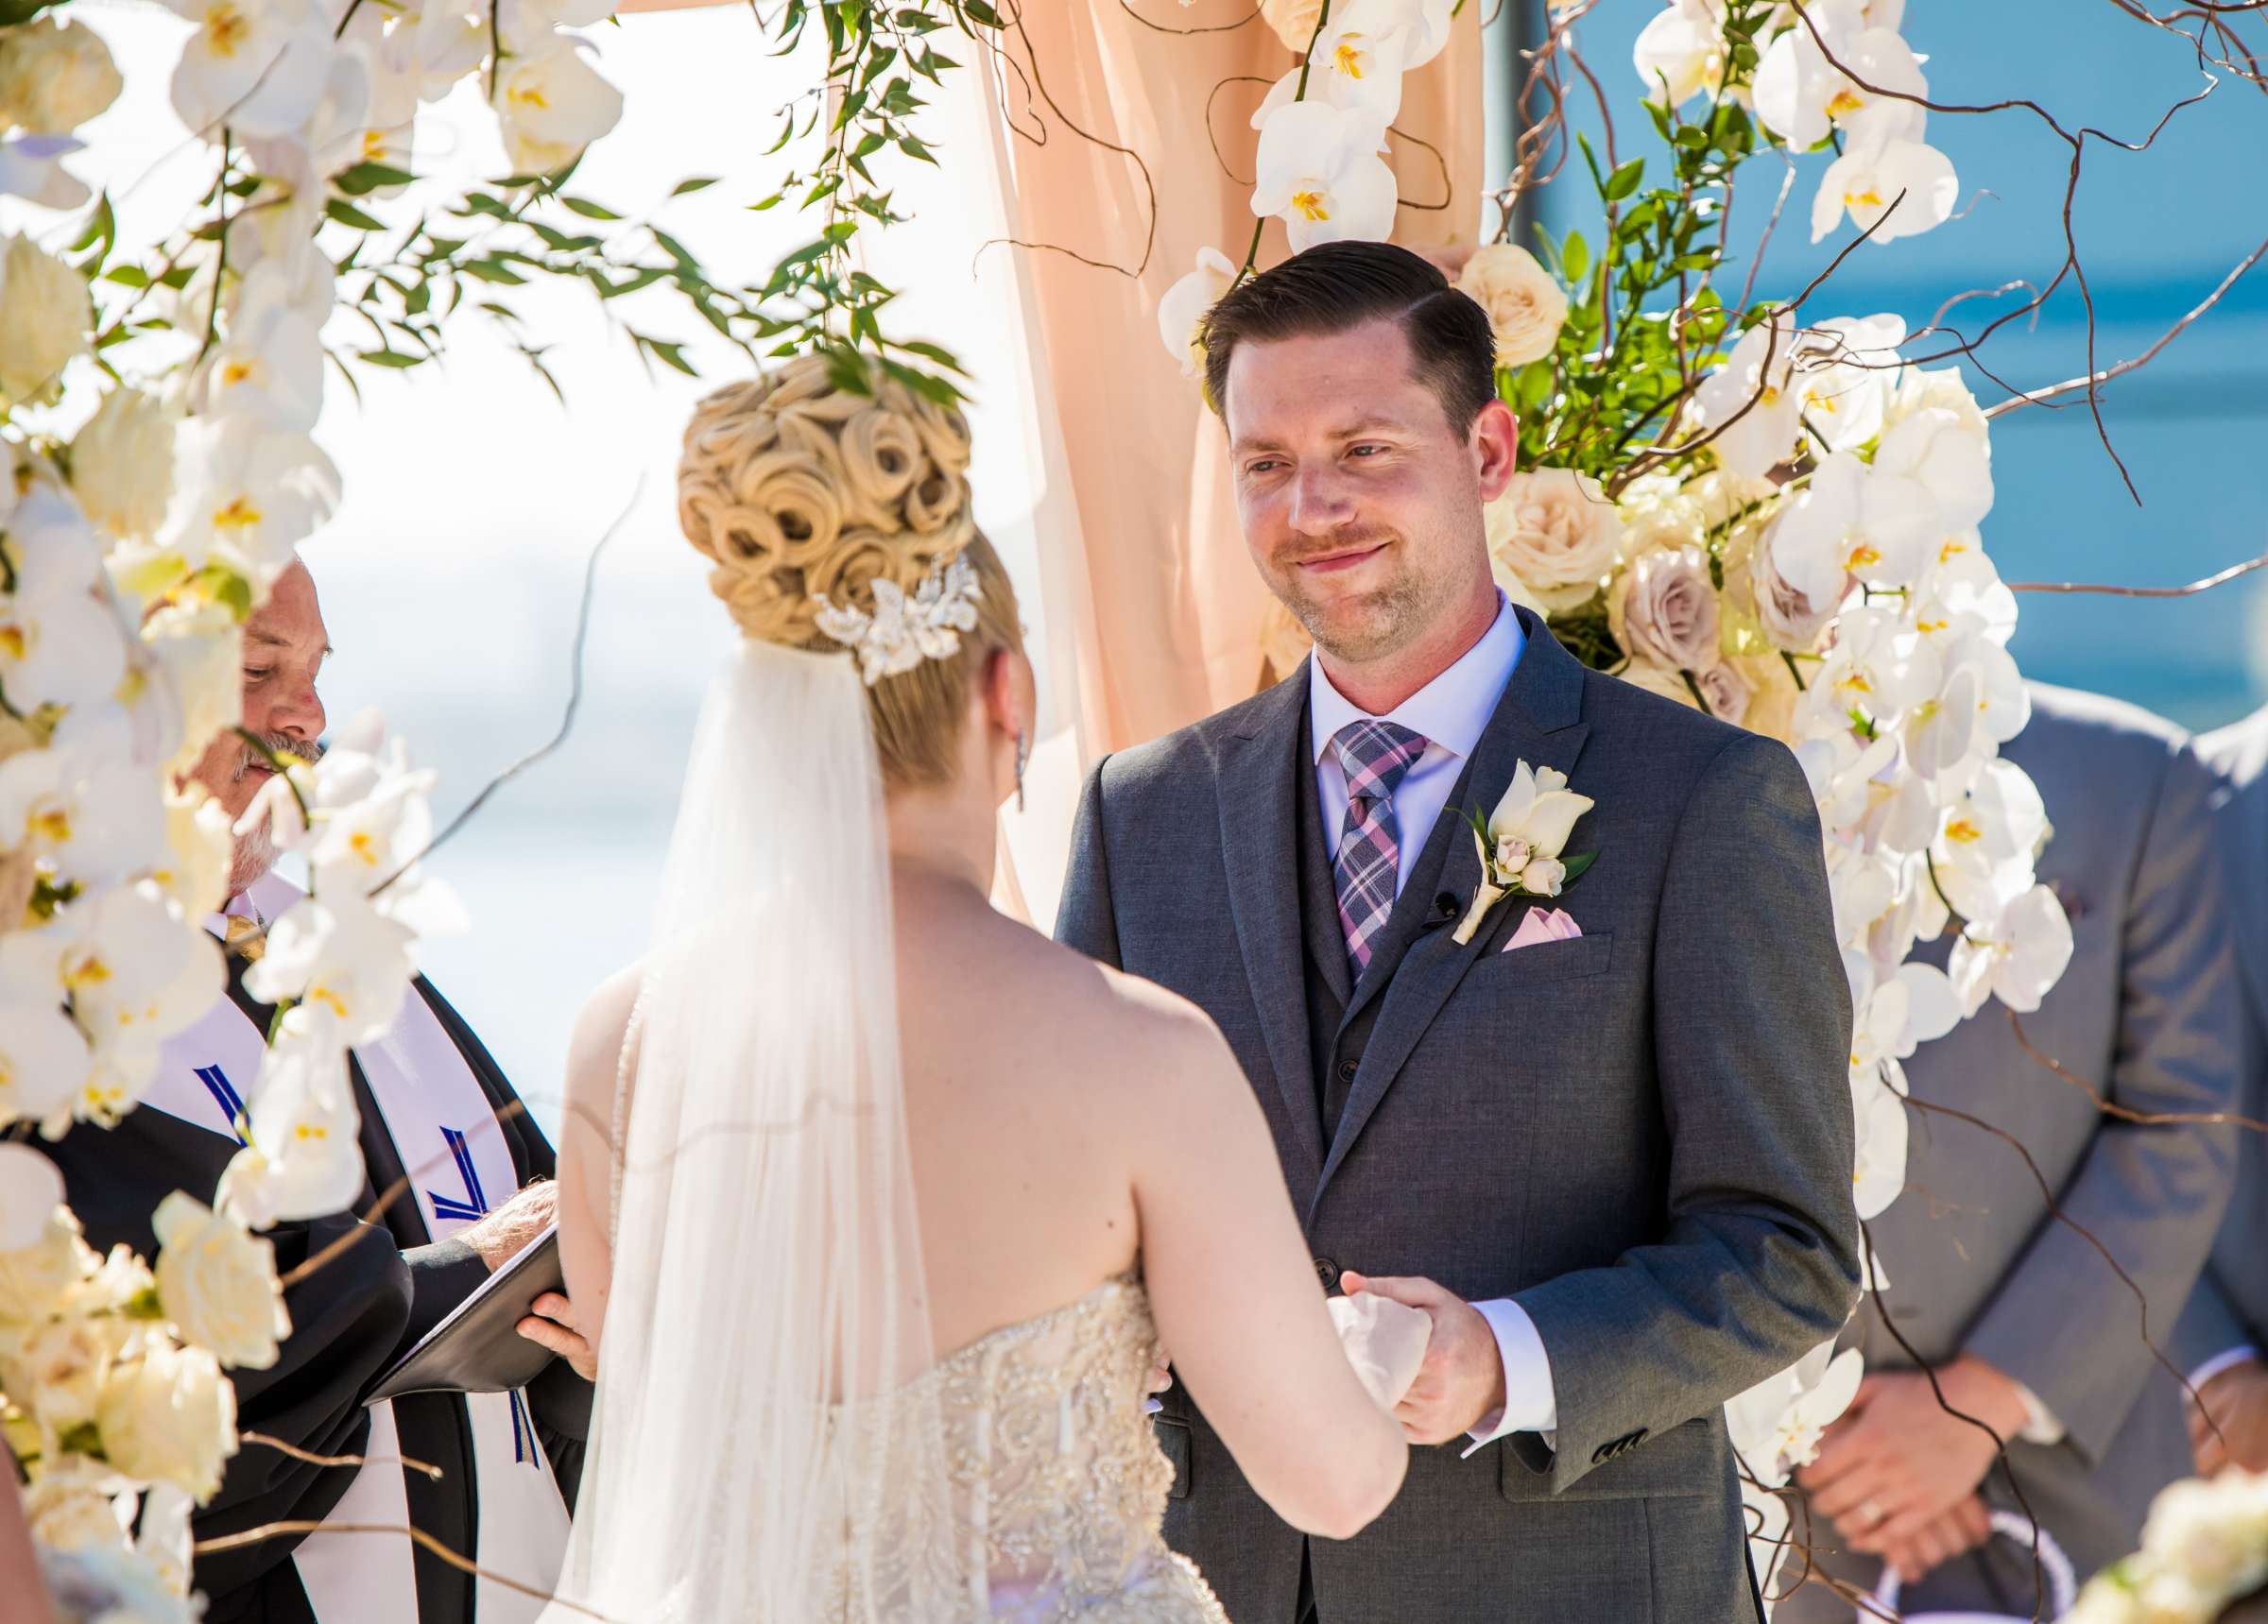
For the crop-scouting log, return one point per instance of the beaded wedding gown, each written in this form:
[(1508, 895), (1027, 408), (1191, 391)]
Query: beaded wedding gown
[(1057, 1487)]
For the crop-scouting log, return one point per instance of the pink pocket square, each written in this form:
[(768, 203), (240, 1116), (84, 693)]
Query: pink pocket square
[(1543, 925)]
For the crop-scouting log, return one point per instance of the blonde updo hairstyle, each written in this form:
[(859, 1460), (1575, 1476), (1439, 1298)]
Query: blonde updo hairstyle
[(796, 487)]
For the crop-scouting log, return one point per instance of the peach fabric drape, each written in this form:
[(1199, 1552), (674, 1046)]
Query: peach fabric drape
[(1164, 608)]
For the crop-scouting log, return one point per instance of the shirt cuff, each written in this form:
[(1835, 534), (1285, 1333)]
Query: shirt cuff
[(2041, 1425), (2229, 1359), (1530, 1403)]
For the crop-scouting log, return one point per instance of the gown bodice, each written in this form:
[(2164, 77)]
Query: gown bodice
[(1056, 1482)]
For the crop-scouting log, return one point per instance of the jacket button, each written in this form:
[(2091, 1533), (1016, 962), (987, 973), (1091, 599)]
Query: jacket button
[(1637, 1436), (1600, 1456), (1347, 1069), (1328, 1272)]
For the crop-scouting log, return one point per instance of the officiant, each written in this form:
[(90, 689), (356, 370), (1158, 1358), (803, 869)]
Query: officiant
[(489, 1476)]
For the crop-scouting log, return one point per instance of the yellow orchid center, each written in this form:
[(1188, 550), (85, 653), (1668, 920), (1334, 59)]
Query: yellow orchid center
[(1862, 556), (14, 639), (1951, 551), (1855, 683), (311, 1131), (363, 847), (526, 96), (1313, 206), (1870, 198), (1931, 626), (1963, 832), (1769, 397), (1844, 105), (225, 28), (240, 513), (88, 972), (54, 825), (374, 146), (234, 374), (1348, 59), (329, 1000)]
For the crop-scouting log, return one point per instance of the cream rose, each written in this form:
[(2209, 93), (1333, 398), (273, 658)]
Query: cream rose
[(217, 1282), (1772, 695), (1788, 617), (169, 1415), (1543, 876), (45, 317), (1526, 307), (122, 463), (1664, 611), (1727, 692), (55, 76), (37, 1280), (55, 1373), (1556, 531), (72, 1506)]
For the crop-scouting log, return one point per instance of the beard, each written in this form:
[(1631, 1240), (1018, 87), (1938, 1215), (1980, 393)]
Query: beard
[(1364, 626), (255, 851)]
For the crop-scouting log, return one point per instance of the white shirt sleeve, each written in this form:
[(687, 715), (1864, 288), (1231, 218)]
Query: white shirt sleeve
[(2226, 1359), (2041, 1425), (1530, 1403)]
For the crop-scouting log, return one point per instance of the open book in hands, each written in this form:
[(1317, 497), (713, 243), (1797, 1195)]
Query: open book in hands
[(1384, 1341)]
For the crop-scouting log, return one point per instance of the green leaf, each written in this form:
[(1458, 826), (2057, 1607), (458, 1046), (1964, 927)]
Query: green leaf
[(127, 276), (347, 215), (589, 209), (493, 270), (1577, 866), (673, 356), (981, 13), (696, 183), (1625, 179), (364, 177), (1574, 257), (393, 358)]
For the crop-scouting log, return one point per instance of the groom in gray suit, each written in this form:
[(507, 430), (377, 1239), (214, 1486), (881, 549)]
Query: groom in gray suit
[(1614, 1168), (2024, 1324)]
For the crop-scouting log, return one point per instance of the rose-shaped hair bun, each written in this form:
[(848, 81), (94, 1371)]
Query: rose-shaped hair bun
[(797, 488)]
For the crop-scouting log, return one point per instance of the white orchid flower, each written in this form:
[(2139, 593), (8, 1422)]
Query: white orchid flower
[(30, 1188), (1318, 170), (257, 66), (1879, 1114), (343, 967), (304, 1154), (552, 103), (1679, 53), (43, 1063), (1879, 666), (2016, 957), (1938, 388), (1986, 840), (60, 642), (1937, 453), (1776, 1424), (1357, 66), (269, 368), (1982, 705), (1842, 770), (1845, 369), (1909, 182), (1751, 395), (1181, 312), (87, 813), (1846, 525), (1801, 95), (246, 495), (1962, 596)]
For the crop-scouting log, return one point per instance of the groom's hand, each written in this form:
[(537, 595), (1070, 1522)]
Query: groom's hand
[(1462, 1377)]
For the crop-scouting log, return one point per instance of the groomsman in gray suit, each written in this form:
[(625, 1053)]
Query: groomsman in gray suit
[(1614, 1167), (2024, 1324), (2224, 1328)]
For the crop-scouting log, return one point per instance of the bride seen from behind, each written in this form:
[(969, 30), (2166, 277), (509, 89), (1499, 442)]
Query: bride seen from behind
[(881, 1201)]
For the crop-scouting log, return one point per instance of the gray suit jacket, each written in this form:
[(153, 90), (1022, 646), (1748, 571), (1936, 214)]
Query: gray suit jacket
[(2230, 1305), (2147, 1014), (1642, 1135)]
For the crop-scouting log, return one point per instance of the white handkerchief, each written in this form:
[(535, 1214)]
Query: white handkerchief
[(1384, 1341)]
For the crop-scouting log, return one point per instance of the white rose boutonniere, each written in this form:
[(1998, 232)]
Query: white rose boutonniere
[(1523, 842)]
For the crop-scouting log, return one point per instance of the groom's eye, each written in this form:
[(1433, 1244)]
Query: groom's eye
[(1365, 449)]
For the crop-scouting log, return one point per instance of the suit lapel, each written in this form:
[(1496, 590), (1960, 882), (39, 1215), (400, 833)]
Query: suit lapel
[(1540, 721), (1260, 822)]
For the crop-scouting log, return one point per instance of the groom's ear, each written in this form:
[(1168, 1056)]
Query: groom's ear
[(1495, 442)]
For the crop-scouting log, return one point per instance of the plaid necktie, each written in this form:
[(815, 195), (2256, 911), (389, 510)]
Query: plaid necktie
[(1374, 755)]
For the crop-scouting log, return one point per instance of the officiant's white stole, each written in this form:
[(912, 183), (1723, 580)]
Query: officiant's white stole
[(459, 1166)]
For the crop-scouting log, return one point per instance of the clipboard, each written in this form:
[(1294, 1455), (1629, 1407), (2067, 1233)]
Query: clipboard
[(478, 1348)]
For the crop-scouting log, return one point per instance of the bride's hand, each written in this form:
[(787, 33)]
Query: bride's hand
[(1462, 1377)]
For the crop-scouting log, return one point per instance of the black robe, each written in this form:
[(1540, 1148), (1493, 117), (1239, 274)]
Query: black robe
[(349, 1320)]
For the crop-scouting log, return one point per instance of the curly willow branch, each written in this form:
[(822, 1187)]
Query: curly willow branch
[(417, 1536), (313, 1459)]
